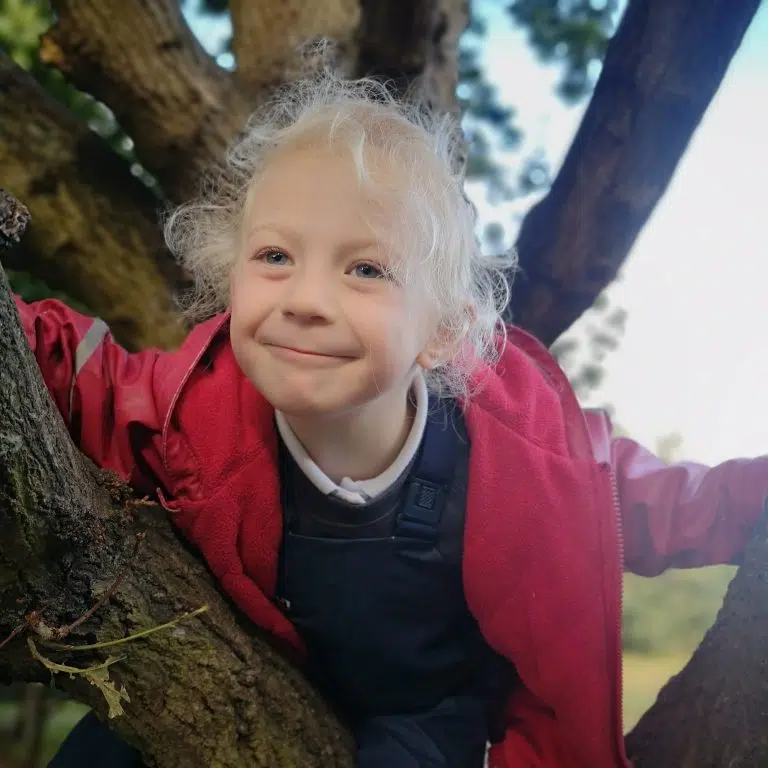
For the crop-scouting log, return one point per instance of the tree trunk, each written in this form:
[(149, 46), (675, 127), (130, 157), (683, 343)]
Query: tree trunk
[(402, 42), (662, 69), (267, 36), (142, 60), (95, 234), (715, 712), (209, 690)]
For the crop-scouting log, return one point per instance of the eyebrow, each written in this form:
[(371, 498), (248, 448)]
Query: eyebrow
[(350, 246)]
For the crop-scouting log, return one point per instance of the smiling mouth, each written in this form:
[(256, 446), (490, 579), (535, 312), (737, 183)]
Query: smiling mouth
[(295, 352)]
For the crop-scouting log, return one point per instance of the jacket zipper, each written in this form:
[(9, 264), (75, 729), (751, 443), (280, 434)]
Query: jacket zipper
[(619, 655)]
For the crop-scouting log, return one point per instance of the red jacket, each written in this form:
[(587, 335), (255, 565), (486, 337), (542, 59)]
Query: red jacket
[(556, 508)]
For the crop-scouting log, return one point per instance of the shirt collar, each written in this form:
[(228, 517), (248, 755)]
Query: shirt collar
[(362, 491)]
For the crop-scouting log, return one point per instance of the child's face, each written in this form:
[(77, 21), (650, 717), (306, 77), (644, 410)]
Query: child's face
[(316, 325)]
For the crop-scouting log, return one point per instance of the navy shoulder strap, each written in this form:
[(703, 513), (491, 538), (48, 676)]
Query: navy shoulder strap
[(431, 476)]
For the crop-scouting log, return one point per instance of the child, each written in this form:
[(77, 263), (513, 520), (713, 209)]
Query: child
[(370, 467)]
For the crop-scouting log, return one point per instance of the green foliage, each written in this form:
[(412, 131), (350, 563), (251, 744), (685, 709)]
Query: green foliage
[(21, 24), (583, 360), (489, 125), (574, 33), (60, 717)]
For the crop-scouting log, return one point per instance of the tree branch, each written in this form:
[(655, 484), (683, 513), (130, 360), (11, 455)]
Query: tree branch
[(663, 67), (142, 60), (95, 234), (210, 691), (718, 702), (267, 36), (406, 41)]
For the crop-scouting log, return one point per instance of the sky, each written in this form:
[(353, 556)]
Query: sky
[(694, 356)]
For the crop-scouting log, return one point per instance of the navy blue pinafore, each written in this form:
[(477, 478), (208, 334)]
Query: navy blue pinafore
[(376, 593)]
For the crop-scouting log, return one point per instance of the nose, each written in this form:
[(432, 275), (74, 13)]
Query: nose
[(308, 297)]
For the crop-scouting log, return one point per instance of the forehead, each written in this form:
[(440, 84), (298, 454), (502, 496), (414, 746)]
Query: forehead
[(322, 188)]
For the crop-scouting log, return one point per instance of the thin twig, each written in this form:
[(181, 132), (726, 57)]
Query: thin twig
[(15, 632), (129, 638), (61, 632), (53, 666)]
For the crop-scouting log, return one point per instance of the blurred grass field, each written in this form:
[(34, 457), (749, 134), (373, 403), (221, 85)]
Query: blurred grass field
[(664, 621), (62, 717), (644, 676)]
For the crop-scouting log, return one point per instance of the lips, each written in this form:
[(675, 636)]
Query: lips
[(310, 352), (301, 352)]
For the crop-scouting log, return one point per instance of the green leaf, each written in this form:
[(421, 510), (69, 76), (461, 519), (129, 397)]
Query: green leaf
[(97, 675), (100, 678)]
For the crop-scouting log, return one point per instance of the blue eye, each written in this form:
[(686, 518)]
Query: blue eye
[(273, 257), (368, 271)]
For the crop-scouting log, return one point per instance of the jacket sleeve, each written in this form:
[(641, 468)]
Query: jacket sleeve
[(105, 395), (680, 515)]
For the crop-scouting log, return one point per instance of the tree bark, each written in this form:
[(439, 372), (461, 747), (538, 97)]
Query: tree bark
[(142, 60), (715, 712), (208, 691), (267, 36), (663, 67), (418, 40), (95, 234)]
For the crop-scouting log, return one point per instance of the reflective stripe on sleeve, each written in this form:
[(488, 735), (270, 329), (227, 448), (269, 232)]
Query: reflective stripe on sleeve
[(87, 346)]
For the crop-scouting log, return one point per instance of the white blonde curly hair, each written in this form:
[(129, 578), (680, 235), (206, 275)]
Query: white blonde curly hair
[(441, 253)]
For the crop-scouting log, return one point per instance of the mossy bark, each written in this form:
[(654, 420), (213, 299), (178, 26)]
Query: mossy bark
[(95, 233), (208, 691)]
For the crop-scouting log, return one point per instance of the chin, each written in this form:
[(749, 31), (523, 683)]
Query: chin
[(312, 405), (301, 406)]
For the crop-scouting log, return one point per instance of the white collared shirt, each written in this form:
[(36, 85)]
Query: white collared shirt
[(361, 491)]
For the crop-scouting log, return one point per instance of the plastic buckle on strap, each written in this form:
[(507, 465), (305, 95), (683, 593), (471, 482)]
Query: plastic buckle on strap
[(420, 517)]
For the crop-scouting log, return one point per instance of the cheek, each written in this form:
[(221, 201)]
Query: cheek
[(396, 335), (248, 300), (414, 326), (236, 282)]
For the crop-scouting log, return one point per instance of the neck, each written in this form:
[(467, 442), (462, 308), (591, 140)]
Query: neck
[(359, 444)]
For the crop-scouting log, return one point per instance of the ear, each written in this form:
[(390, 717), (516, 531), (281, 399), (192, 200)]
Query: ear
[(446, 342), (432, 354)]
